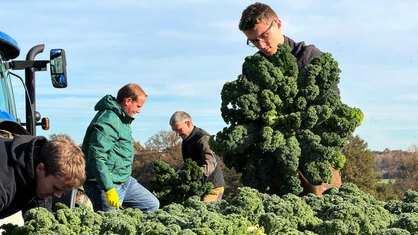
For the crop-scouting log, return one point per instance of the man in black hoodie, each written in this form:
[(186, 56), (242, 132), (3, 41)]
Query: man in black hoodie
[(35, 167), (195, 146)]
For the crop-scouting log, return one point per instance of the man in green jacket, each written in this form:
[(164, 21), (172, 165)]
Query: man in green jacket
[(109, 153)]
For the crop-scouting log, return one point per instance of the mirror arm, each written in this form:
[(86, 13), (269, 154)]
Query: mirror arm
[(38, 65)]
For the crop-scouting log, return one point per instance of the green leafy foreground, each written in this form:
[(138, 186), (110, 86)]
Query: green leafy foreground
[(347, 210), (281, 120)]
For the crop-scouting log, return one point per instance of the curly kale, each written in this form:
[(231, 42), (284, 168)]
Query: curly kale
[(275, 224), (79, 220), (293, 209), (170, 187), (247, 203), (348, 210), (407, 221), (207, 220), (217, 223), (410, 197), (116, 222), (151, 227), (393, 231), (194, 217), (408, 204), (39, 220), (281, 120), (68, 218), (343, 211)]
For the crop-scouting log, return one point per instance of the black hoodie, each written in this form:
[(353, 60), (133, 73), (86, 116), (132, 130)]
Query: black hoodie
[(17, 172)]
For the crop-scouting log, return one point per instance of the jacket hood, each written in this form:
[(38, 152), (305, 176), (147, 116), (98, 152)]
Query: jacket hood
[(22, 151), (17, 172), (108, 102)]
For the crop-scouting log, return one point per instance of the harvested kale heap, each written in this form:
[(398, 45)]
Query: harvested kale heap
[(281, 120), (171, 187), (343, 211)]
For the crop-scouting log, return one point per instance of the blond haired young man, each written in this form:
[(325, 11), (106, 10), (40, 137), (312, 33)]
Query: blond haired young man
[(35, 167)]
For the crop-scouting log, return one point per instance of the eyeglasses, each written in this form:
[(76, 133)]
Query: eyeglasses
[(263, 37)]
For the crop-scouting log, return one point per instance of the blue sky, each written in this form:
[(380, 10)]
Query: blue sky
[(181, 52)]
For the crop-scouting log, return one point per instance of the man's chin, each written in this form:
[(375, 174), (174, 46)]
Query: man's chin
[(267, 53)]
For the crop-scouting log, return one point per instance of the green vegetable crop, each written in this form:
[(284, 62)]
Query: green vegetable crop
[(343, 211), (281, 120), (170, 187)]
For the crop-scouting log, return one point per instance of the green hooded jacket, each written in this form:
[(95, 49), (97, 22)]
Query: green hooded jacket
[(108, 146)]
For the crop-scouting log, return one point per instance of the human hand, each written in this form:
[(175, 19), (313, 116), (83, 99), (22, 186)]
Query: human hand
[(112, 198)]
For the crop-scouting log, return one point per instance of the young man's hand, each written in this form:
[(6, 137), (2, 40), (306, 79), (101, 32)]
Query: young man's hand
[(112, 198)]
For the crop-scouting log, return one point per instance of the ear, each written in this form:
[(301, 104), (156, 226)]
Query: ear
[(279, 24), (40, 168), (187, 123), (127, 101)]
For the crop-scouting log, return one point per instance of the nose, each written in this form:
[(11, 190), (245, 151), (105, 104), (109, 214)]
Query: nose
[(262, 44), (58, 194)]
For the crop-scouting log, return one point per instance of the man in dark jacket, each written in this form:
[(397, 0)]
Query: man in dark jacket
[(263, 30), (35, 167), (195, 145), (109, 152)]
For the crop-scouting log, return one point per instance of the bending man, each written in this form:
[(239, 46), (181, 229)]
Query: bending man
[(109, 153), (195, 146), (35, 167)]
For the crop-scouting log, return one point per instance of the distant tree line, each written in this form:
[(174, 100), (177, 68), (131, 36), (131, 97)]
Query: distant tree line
[(385, 175)]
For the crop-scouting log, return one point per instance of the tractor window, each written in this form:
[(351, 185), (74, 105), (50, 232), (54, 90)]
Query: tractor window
[(6, 92), (3, 74)]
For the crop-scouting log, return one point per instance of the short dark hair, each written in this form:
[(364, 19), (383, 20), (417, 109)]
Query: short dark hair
[(254, 14)]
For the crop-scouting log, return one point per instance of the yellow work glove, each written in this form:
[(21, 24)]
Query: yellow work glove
[(112, 198)]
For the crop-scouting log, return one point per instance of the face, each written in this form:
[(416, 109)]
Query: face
[(182, 129), (265, 39), (50, 185), (133, 107)]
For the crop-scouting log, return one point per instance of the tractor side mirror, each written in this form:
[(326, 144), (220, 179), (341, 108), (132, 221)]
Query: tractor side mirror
[(58, 64)]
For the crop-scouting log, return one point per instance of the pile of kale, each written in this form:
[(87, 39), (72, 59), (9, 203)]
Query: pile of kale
[(343, 211), (175, 187), (281, 120)]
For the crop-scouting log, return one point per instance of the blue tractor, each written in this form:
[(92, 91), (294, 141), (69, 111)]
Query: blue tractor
[(9, 50), (10, 124)]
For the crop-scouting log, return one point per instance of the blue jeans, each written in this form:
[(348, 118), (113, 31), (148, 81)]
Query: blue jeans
[(131, 194)]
